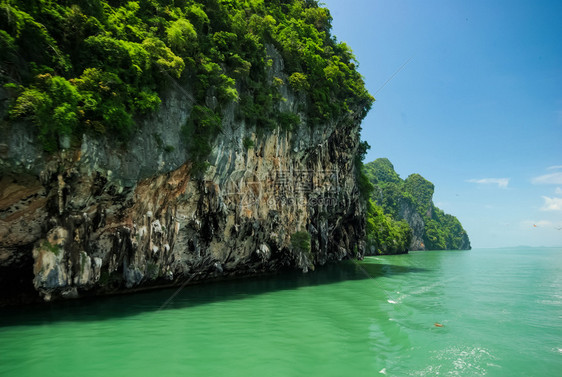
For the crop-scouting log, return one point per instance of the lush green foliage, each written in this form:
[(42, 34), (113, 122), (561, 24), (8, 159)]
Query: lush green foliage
[(300, 241), (420, 190), (386, 228), (75, 66), (381, 171), (443, 231), (385, 234)]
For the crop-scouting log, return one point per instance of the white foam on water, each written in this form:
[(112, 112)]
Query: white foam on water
[(398, 300), (459, 361), (430, 370), (418, 291), (382, 371)]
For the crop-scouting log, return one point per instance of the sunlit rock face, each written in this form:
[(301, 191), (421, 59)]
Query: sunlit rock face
[(104, 217)]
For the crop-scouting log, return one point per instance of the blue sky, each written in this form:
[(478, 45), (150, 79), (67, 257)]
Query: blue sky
[(476, 109)]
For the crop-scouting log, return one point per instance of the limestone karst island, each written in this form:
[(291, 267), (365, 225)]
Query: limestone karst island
[(155, 143)]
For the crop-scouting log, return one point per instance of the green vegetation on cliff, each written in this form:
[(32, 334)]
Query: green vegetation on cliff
[(385, 235), (401, 214), (91, 66)]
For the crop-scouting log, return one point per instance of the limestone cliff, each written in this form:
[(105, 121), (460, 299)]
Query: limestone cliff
[(103, 218)]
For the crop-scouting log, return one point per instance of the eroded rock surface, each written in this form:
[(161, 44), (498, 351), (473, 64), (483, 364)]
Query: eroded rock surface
[(104, 217)]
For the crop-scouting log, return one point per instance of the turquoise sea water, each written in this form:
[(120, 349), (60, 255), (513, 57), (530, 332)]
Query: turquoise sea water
[(501, 311)]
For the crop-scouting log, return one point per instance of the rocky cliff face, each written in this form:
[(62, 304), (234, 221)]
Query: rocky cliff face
[(408, 212), (415, 221), (465, 245), (103, 217)]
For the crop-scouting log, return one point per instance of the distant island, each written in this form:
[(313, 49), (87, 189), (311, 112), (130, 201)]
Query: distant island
[(401, 215)]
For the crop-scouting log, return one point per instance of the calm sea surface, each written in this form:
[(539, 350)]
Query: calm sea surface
[(501, 311)]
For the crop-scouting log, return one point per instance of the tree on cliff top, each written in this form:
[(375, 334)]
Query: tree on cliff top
[(115, 58), (382, 171)]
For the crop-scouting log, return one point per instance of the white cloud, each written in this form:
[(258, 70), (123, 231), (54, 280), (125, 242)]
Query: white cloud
[(501, 182), (548, 179), (552, 204), (555, 167), (558, 190)]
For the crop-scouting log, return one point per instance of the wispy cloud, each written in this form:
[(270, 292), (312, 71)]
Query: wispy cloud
[(548, 179), (501, 182), (551, 178), (552, 204), (558, 191)]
